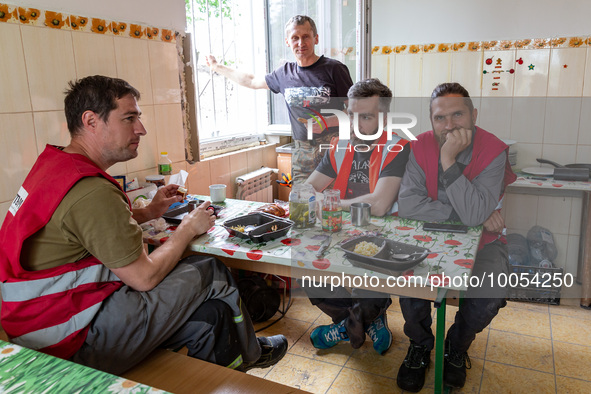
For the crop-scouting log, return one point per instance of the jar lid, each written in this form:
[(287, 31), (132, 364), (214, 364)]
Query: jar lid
[(150, 178)]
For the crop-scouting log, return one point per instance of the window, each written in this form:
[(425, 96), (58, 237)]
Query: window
[(249, 35), (233, 31)]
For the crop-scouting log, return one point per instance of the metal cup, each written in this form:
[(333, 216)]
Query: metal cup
[(360, 213)]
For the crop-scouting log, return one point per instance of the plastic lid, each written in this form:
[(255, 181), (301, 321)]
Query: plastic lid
[(163, 153), (154, 178)]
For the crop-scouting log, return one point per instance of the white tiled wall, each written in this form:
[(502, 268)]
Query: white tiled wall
[(36, 64), (543, 105)]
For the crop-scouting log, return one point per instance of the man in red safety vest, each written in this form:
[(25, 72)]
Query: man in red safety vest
[(456, 172), (363, 170), (76, 280)]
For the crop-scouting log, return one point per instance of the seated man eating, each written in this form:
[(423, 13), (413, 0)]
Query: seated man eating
[(77, 282)]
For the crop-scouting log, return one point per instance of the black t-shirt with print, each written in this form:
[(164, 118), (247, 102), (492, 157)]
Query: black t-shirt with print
[(358, 184), (310, 87)]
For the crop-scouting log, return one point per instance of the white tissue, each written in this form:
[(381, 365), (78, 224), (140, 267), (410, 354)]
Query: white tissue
[(160, 224), (178, 179)]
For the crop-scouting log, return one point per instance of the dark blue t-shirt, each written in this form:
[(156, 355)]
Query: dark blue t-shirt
[(310, 87)]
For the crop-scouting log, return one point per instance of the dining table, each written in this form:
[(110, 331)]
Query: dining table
[(440, 277)]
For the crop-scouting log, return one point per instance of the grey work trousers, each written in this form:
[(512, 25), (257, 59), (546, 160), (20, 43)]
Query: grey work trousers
[(197, 305), (479, 307)]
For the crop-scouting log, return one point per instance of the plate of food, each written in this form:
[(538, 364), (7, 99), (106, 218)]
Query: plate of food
[(175, 215), (383, 254), (258, 227)]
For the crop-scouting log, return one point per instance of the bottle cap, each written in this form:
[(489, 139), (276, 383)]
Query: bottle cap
[(163, 153)]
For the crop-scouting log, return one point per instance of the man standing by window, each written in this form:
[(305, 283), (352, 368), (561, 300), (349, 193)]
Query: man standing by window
[(307, 86)]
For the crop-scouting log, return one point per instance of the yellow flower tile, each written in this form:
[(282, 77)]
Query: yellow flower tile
[(352, 381), (79, 23), (8, 13), (100, 26), (572, 360), (304, 373), (520, 351), (118, 28), (55, 20), (571, 329), (29, 16), (500, 378)]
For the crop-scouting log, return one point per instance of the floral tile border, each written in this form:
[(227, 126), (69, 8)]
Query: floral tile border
[(57, 20), (475, 46)]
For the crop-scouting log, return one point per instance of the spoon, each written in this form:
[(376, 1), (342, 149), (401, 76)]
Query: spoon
[(402, 256)]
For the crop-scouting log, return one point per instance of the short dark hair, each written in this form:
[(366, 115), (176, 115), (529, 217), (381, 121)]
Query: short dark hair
[(447, 88), (299, 20), (96, 93), (372, 87)]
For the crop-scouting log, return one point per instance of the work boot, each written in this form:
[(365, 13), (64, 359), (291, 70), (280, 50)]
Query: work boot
[(380, 334), (272, 350), (325, 337), (411, 375), (454, 367)]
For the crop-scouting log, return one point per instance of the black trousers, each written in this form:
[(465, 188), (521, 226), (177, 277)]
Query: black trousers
[(479, 307)]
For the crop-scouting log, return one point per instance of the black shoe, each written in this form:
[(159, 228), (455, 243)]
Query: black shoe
[(454, 367), (272, 350), (411, 375)]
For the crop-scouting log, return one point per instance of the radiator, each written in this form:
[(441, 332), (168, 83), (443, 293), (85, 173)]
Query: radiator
[(256, 185)]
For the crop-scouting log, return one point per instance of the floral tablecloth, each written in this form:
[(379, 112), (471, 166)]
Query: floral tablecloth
[(24, 370), (452, 253)]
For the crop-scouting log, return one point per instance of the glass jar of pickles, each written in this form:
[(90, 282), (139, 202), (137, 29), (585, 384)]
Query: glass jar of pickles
[(302, 205), (332, 214)]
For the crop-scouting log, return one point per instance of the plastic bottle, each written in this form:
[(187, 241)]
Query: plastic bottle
[(332, 214), (164, 164)]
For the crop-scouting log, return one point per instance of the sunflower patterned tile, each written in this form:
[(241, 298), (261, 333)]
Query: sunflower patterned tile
[(29, 16), (8, 13), (55, 20)]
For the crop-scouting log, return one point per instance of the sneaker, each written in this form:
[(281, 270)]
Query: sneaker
[(380, 334), (454, 367), (411, 375), (272, 350), (325, 337)]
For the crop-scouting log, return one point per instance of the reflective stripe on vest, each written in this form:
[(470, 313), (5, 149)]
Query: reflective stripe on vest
[(50, 336), (30, 289)]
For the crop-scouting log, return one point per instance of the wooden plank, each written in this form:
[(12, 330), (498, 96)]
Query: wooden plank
[(177, 373)]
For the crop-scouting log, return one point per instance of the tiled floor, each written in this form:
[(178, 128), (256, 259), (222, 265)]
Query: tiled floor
[(528, 348)]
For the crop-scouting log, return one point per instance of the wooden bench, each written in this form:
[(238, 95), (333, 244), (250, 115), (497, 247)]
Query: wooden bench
[(178, 373)]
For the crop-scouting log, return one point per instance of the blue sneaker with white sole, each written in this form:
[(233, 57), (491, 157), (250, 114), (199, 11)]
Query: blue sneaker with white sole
[(380, 334), (325, 337)]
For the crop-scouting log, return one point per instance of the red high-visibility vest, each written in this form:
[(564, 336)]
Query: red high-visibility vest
[(49, 310)]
